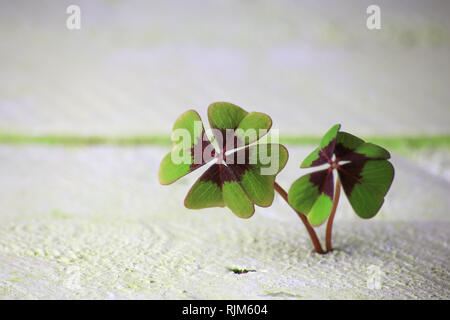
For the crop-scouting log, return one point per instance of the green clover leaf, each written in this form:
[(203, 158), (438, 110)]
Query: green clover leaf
[(363, 169), (241, 175)]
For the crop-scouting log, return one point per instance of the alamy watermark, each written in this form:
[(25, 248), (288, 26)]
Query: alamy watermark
[(73, 21), (374, 277), (373, 21)]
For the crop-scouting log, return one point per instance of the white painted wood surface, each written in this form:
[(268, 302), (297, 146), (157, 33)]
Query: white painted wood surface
[(94, 223)]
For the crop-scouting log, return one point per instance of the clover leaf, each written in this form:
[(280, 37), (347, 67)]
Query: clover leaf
[(362, 168), (242, 172), (242, 169)]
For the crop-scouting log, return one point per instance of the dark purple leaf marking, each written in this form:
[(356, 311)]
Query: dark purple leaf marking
[(325, 154), (197, 152), (350, 175), (230, 169), (323, 179), (346, 154), (341, 151), (221, 173), (355, 157)]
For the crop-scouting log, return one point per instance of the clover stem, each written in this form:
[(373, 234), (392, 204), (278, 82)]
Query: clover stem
[(329, 232), (309, 228)]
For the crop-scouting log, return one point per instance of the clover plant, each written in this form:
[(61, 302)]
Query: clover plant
[(362, 169), (243, 166)]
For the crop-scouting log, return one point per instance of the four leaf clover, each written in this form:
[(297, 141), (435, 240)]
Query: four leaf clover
[(362, 168), (242, 169), (234, 179)]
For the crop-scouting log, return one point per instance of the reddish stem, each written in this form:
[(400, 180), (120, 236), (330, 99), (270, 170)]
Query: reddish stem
[(329, 232), (309, 228)]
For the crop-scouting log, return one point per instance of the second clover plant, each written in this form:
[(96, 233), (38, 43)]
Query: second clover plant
[(362, 169), (242, 168)]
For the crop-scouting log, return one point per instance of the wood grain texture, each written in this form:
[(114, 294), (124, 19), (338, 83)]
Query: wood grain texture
[(98, 215), (135, 66)]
